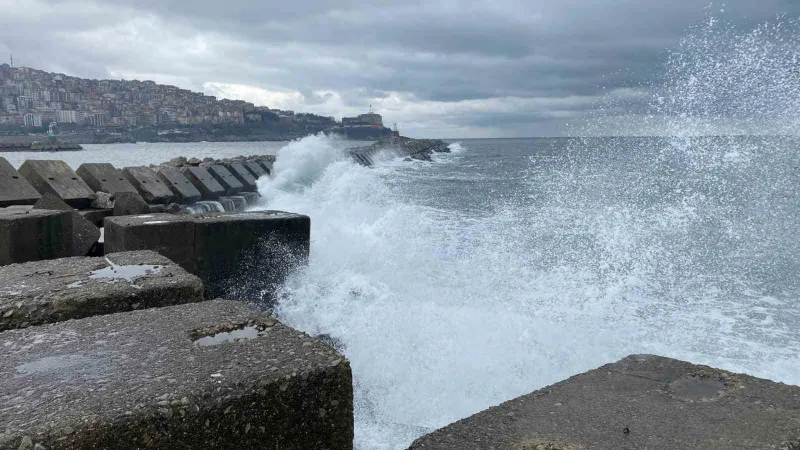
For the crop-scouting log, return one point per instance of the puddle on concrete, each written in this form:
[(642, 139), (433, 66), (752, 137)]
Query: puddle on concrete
[(76, 284), (154, 222), (250, 332), (51, 363), (698, 388), (127, 273)]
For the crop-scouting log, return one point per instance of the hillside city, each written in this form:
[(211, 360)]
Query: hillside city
[(92, 111)]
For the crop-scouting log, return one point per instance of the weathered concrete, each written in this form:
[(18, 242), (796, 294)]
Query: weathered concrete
[(130, 203), (246, 256), (184, 190), (150, 186), (640, 402), (32, 235), (84, 233), (137, 380), (57, 178), (204, 182), (14, 189), (242, 256), (244, 176), (256, 169), (104, 177), (56, 290), (226, 179), (168, 234), (96, 216), (267, 165), (251, 197)]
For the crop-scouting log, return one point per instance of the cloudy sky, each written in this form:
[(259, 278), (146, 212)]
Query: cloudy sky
[(444, 68)]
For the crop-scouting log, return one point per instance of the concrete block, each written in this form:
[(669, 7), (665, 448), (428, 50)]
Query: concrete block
[(173, 378), (169, 235), (204, 182), (150, 186), (41, 292), (14, 188), (246, 256), (251, 197), (256, 169), (84, 233), (226, 179), (267, 165), (96, 216), (642, 401), (239, 203), (227, 204), (184, 190), (34, 235), (57, 178), (129, 204), (103, 177), (244, 176)]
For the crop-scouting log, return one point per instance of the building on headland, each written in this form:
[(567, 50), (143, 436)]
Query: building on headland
[(64, 116)]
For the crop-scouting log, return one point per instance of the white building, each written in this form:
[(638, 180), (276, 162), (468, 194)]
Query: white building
[(66, 116), (32, 120)]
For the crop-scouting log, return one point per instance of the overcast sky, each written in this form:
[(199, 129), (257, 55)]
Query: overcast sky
[(442, 68)]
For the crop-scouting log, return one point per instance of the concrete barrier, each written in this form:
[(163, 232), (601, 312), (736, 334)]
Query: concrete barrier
[(56, 290), (32, 235), (231, 185), (256, 169), (170, 235), (204, 182), (84, 233), (242, 256), (244, 176), (149, 185), (14, 188), (57, 178), (103, 177), (184, 190), (640, 402), (213, 375)]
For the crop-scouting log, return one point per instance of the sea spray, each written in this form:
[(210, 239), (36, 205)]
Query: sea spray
[(509, 265)]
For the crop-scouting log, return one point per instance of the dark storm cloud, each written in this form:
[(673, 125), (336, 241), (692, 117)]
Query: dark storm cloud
[(436, 66)]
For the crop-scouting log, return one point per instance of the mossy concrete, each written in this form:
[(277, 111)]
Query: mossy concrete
[(140, 380), (56, 290), (640, 402)]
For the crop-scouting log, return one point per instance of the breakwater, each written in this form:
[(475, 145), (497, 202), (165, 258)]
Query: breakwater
[(397, 146), (38, 146), (237, 349)]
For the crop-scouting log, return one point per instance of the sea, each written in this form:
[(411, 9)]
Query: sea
[(506, 265), (510, 264)]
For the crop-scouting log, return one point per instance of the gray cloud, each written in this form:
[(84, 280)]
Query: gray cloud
[(502, 67)]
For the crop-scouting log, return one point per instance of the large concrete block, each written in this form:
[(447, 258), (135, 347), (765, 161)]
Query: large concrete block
[(244, 176), (56, 290), (184, 190), (256, 169), (204, 182), (226, 179), (248, 255), (103, 177), (267, 165), (213, 375), (170, 235), (85, 234), (57, 178), (32, 235), (14, 188), (150, 186), (640, 402)]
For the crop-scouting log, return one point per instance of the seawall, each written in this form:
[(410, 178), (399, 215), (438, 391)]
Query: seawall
[(398, 146)]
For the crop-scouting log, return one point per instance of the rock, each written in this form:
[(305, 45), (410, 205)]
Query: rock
[(130, 204), (84, 233), (206, 160), (103, 200), (408, 160), (175, 208), (194, 162), (178, 162)]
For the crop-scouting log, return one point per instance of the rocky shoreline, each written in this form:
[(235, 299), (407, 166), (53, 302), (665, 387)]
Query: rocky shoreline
[(39, 147)]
